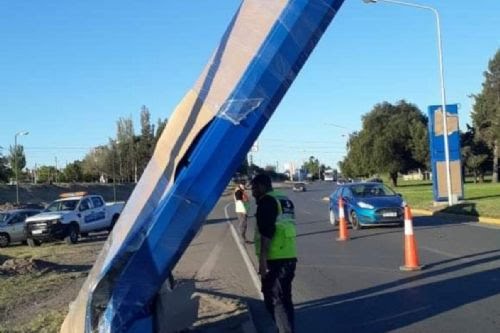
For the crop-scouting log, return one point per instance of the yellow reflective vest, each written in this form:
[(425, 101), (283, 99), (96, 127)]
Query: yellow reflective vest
[(283, 243)]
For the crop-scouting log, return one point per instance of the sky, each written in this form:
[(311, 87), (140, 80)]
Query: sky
[(70, 69)]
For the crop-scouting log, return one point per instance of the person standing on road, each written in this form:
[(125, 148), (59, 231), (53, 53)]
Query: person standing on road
[(275, 247), (242, 204)]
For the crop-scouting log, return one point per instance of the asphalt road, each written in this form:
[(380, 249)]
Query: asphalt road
[(356, 286)]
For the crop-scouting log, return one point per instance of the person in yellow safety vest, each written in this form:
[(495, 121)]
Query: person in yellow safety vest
[(275, 247)]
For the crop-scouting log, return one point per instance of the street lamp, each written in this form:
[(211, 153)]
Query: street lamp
[(443, 93), (114, 143), (21, 133)]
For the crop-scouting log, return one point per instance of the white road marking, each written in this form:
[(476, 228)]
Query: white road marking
[(244, 254), (207, 268), (446, 254), (401, 314)]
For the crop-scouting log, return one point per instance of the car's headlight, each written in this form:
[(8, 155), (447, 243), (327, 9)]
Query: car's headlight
[(365, 205), (56, 221)]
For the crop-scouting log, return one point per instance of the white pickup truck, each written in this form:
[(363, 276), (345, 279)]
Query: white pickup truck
[(72, 215)]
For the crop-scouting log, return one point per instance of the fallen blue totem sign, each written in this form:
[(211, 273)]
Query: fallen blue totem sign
[(206, 138)]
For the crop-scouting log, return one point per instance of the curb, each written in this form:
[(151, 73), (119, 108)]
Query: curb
[(480, 219)]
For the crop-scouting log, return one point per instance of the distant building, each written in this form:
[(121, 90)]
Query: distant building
[(418, 175)]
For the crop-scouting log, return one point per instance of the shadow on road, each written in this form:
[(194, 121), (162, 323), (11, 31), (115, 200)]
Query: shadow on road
[(328, 231), (467, 210), (374, 310), (215, 221), (305, 222)]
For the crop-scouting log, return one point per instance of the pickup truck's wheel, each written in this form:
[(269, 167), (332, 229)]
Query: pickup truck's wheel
[(33, 242), (4, 240), (72, 237)]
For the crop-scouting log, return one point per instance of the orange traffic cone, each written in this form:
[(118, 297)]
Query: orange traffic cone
[(412, 262), (343, 232)]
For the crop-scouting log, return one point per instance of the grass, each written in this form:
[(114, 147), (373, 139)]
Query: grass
[(18, 290), (481, 199), (48, 322), (37, 301)]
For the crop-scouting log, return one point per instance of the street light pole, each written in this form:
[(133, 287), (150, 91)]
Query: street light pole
[(15, 163), (115, 143), (114, 176), (443, 91)]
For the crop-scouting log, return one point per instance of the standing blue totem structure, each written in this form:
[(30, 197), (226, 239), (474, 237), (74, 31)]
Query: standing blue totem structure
[(436, 137), (206, 139)]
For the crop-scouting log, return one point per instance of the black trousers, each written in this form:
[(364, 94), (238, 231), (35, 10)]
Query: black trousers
[(277, 290)]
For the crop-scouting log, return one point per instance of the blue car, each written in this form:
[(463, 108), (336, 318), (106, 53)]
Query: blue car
[(367, 204)]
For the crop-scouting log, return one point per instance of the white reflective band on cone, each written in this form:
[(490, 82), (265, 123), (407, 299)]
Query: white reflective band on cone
[(408, 227)]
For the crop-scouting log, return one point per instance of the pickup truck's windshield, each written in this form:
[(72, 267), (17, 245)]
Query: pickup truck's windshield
[(63, 205), (4, 217), (371, 190)]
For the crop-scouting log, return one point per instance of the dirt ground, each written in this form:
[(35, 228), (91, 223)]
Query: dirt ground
[(37, 285)]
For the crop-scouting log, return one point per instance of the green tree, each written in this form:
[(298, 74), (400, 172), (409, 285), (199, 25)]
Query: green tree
[(73, 172), (486, 111), (243, 169), (146, 141), (393, 140), (126, 144), (5, 171), (96, 163), (160, 126), (46, 174), (476, 155), (312, 166), (17, 159)]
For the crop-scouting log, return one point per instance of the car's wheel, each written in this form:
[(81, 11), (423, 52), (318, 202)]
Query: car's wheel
[(72, 236), (113, 222), (4, 240), (33, 242), (333, 218), (354, 221)]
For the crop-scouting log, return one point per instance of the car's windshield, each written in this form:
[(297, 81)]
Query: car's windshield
[(371, 190), (4, 217), (63, 205)]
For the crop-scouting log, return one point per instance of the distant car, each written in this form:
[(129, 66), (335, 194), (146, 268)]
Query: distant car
[(299, 187), (12, 225), (375, 180), (367, 204)]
